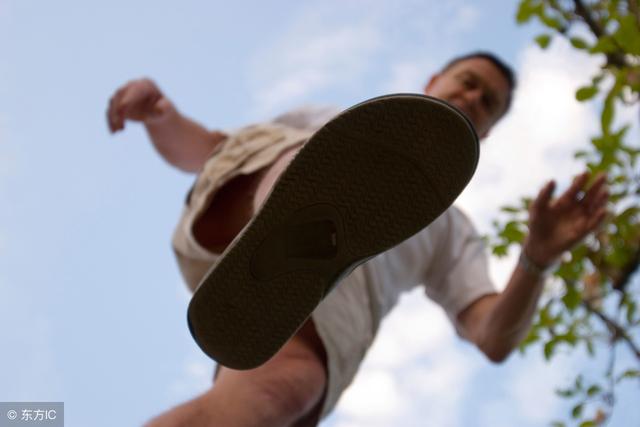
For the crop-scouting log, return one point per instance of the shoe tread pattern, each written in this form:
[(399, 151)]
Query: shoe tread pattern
[(403, 158)]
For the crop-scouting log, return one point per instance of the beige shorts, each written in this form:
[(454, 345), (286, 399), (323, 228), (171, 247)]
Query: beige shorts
[(343, 319)]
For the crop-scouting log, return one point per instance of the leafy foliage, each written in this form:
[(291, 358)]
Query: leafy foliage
[(597, 309)]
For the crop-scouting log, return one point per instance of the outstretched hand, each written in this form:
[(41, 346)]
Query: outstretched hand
[(137, 100), (555, 226)]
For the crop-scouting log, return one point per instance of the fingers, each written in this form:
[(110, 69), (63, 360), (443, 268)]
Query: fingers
[(111, 118), (544, 196), (597, 196), (135, 101), (571, 195), (596, 219), (115, 121)]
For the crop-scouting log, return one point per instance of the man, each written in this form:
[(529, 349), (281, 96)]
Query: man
[(303, 381)]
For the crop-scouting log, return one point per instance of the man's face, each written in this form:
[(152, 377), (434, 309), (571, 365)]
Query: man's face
[(475, 86)]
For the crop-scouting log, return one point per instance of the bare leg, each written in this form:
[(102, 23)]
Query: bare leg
[(287, 391)]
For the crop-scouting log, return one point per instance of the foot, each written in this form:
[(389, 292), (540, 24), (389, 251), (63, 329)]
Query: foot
[(370, 178)]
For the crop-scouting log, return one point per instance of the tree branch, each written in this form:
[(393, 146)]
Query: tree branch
[(630, 268), (584, 13), (633, 8), (568, 15), (616, 59), (618, 331)]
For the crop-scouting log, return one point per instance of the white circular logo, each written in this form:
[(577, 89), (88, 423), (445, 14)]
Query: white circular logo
[(12, 415)]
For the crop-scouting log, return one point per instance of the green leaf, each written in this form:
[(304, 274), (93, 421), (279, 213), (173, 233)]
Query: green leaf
[(578, 43), (615, 197), (628, 35), (500, 250), (525, 12), (579, 382), (569, 271), (598, 78), (629, 373), (570, 338), (586, 93), (618, 257), (565, 393), (531, 338), (512, 232), (631, 310), (572, 298), (588, 424), (579, 252), (622, 179), (593, 390), (621, 133), (590, 348), (580, 153), (543, 40), (551, 22), (629, 213), (545, 317), (548, 348), (577, 410), (604, 44), (510, 209), (607, 113)]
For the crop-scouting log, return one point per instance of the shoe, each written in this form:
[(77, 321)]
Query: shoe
[(373, 176)]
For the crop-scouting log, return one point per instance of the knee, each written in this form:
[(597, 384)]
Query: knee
[(294, 386)]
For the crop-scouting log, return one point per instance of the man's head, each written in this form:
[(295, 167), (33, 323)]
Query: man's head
[(479, 84)]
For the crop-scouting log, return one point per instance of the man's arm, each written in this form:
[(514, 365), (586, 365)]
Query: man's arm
[(497, 323), (182, 142)]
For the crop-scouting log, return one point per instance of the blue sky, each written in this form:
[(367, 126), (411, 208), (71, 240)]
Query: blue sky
[(92, 307)]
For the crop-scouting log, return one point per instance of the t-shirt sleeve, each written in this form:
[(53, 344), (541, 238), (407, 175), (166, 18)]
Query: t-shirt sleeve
[(460, 273)]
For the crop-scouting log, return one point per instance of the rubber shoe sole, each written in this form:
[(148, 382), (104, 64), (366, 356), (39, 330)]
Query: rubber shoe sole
[(373, 176)]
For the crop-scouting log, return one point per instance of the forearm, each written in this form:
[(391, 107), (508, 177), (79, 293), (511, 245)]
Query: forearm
[(510, 320), (555, 226), (181, 141)]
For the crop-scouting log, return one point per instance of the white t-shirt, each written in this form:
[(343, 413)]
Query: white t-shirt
[(448, 258)]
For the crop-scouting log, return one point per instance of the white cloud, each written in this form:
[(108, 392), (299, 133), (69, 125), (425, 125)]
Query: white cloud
[(408, 76), (466, 16), (529, 394), (412, 369), (307, 59), (533, 389), (330, 44), (410, 332), (376, 395)]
